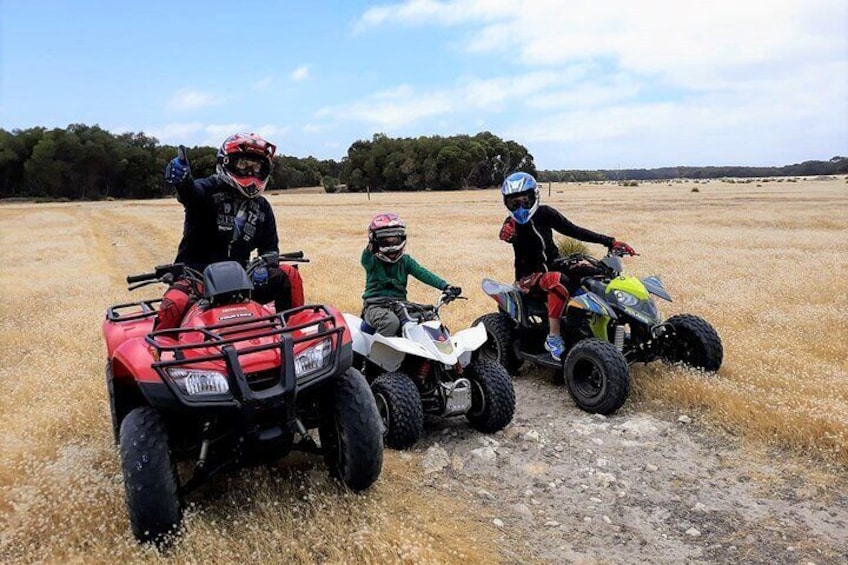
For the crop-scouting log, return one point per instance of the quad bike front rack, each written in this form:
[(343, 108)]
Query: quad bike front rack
[(258, 392)]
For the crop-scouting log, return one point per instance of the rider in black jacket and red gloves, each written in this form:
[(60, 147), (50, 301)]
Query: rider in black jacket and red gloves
[(529, 228), (226, 217)]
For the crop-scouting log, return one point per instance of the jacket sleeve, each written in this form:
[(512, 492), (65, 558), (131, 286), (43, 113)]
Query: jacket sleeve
[(563, 225), (192, 192), (269, 239), (423, 275), (367, 259)]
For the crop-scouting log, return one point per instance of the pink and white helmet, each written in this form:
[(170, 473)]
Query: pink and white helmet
[(387, 235)]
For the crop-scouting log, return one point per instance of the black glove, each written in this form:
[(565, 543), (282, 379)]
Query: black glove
[(453, 291)]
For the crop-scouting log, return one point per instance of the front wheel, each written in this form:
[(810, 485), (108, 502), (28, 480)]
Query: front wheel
[(499, 346), (399, 405), (597, 376), (695, 343), (492, 396), (150, 476), (350, 433)]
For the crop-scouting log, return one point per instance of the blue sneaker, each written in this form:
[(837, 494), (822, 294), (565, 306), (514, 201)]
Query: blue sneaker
[(555, 345)]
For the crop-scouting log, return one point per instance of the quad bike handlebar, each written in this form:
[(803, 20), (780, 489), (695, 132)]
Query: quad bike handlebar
[(416, 310), (167, 274)]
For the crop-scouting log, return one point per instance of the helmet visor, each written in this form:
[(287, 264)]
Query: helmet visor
[(390, 240), (524, 200), (247, 166)]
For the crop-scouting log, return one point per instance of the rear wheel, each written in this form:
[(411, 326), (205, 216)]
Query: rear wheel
[(492, 396), (499, 347), (597, 376), (150, 476), (350, 433), (695, 343), (399, 406)]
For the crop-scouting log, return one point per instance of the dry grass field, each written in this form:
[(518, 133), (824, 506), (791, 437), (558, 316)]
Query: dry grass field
[(767, 265)]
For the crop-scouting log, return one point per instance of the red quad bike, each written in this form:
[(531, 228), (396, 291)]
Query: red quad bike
[(236, 384)]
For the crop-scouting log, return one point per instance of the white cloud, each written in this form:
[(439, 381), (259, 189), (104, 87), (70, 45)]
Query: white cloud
[(262, 84), (390, 109), (271, 132), (175, 133), (192, 100), (300, 74), (424, 12), (653, 79), (197, 133), (689, 44), (403, 105), (318, 128)]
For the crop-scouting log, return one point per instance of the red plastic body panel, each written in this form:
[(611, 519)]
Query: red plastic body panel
[(133, 359), (132, 356), (117, 332)]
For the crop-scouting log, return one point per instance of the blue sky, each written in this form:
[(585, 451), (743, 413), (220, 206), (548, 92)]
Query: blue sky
[(581, 84)]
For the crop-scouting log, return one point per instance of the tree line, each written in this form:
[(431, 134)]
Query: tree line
[(84, 162), (433, 163), (834, 166)]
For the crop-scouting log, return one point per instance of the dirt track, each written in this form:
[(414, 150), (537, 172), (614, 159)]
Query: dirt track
[(646, 485)]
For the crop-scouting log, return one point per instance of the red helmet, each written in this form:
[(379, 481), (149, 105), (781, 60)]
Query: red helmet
[(387, 235), (245, 161)]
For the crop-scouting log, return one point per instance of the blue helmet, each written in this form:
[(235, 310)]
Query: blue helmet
[(521, 196)]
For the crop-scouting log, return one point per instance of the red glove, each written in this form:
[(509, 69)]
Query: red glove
[(508, 230), (623, 248)]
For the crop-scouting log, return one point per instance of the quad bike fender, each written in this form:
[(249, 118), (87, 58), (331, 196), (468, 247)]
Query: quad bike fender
[(468, 340), (507, 296), (129, 370), (134, 356), (116, 333), (593, 303), (361, 341), (389, 352), (655, 286)]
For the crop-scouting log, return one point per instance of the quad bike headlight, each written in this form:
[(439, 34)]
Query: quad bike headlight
[(625, 299), (194, 382), (313, 358)]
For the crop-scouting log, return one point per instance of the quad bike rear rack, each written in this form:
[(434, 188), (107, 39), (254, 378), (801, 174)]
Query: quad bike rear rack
[(140, 310)]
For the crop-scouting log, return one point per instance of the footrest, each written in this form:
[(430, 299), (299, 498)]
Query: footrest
[(543, 359)]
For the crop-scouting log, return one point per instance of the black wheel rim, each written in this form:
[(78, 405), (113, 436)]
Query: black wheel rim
[(383, 409), (588, 379), (687, 351), (478, 399), (490, 349)]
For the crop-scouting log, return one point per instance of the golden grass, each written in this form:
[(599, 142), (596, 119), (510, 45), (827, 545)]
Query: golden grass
[(766, 265)]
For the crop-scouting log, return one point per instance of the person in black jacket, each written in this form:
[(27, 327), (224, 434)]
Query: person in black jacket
[(226, 217), (529, 228)]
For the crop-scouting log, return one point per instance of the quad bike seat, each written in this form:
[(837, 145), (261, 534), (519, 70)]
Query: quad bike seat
[(366, 328)]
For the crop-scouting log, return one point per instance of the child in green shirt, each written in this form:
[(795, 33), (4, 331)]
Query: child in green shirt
[(386, 270)]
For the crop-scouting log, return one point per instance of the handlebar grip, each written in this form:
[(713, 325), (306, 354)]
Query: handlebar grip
[(141, 278), (292, 255)]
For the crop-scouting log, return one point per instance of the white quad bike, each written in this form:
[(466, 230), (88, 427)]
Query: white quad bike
[(428, 370)]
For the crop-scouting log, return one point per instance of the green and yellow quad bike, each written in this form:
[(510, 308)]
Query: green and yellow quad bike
[(611, 321)]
